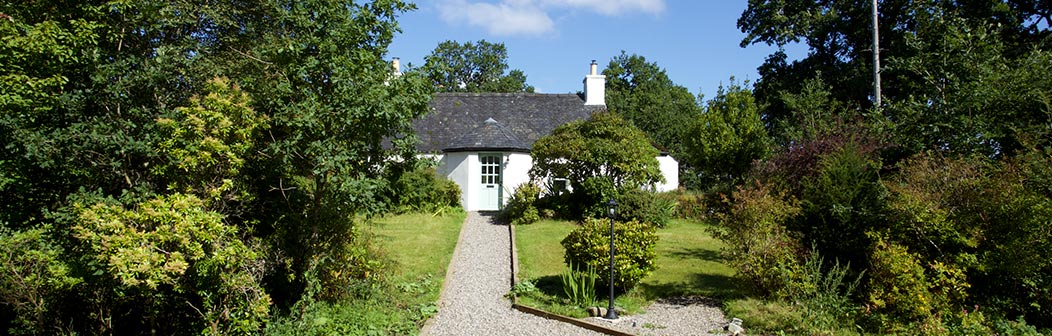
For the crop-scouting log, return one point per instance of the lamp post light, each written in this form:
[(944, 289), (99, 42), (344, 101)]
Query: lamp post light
[(610, 313)]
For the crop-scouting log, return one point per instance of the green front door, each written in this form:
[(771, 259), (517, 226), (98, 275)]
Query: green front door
[(490, 193)]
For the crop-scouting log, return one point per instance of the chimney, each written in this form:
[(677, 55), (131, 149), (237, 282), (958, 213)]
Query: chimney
[(594, 87), (396, 65)]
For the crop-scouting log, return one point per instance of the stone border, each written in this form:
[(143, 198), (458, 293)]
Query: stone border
[(541, 313)]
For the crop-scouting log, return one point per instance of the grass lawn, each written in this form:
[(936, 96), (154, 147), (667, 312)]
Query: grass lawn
[(689, 263), (420, 247)]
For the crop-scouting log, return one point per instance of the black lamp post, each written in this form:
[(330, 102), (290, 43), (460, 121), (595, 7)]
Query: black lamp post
[(610, 313)]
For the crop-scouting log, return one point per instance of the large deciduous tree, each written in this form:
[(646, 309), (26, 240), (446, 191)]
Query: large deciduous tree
[(473, 67), (263, 119), (839, 35), (641, 92)]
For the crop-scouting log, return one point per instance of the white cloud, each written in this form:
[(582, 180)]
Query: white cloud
[(612, 7), (531, 17), (510, 17)]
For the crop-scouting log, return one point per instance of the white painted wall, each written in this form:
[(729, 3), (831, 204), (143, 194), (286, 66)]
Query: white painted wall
[(457, 167), (464, 169), (516, 172), (670, 170)]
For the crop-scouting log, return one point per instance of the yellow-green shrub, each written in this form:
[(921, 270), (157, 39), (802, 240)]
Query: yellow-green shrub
[(588, 245)]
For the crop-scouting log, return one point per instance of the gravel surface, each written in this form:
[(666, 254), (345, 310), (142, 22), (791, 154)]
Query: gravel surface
[(472, 300), (693, 315)]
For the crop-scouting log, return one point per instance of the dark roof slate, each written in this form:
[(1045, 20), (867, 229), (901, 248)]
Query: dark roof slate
[(457, 121), (490, 136)]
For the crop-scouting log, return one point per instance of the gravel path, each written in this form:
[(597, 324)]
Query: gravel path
[(692, 315), (472, 300)]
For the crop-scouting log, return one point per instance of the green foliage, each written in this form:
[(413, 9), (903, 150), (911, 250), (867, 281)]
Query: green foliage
[(840, 202), (726, 139), (423, 190), (524, 287), (360, 317), (898, 286), (579, 285), (824, 295), (641, 93), (33, 278), (588, 246), (522, 208), (604, 145), (240, 139), (472, 67), (821, 302), (645, 206), (758, 244), (204, 146), (687, 204), (171, 247), (601, 157), (765, 315)]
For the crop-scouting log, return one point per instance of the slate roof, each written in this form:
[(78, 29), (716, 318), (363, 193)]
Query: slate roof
[(457, 121), (490, 136)]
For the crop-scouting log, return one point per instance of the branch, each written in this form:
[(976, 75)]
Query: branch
[(250, 56)]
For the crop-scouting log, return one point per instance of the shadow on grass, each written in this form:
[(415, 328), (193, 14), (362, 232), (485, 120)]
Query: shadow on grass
[(710, 285), (549, 285), (699, 253)]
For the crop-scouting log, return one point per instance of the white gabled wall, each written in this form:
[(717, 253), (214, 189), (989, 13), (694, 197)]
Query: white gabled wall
[(670, 170), (516, 172)]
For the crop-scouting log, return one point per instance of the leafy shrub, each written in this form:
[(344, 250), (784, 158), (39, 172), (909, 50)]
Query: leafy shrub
[(758, 245), (522, 208), (32, 277), (824, 295), (898, 287), (591, 200), (579, 285), (168, 251), (588, 245), (645, 206), (688, 204), (423, 190), (841, 202), (523, 287)]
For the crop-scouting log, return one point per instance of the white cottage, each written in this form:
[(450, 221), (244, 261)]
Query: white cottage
[(482, 141)]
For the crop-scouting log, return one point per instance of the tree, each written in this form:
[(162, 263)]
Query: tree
[(264, 121), (839, 37), (602, 146), (642, 93), (473, 67), (602, 157), (728, 137)]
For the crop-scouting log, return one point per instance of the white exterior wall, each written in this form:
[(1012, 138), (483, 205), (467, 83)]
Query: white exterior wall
[(670, 170), (463, 169), (516, 171)]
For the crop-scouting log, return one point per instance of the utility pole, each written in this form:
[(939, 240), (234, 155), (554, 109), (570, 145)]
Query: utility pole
[(876, 58)]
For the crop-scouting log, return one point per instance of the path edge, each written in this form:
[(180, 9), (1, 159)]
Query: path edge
[(426, 328), (541, 313)]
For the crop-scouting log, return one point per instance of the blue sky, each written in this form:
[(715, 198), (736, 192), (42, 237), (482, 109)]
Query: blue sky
[(553, 41)]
